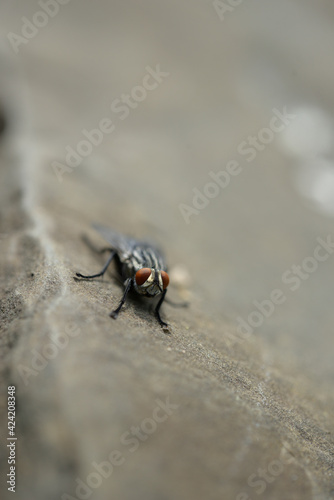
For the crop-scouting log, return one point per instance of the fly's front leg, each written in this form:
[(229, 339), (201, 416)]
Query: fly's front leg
[(128, 285), (157, 309), (101, 273)]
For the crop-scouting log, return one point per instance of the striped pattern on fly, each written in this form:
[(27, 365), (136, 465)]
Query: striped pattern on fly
[(145, 256)]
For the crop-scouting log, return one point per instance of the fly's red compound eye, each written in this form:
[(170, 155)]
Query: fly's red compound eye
[(142, 275), (165, 279)]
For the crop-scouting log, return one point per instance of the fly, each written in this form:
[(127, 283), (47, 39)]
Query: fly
[(140, 265)]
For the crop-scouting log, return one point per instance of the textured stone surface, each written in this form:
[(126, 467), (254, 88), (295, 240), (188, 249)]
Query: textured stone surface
[(249, 417)]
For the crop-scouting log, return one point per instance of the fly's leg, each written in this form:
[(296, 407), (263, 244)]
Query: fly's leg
[(128, 285), (157, 309), (112, 255)]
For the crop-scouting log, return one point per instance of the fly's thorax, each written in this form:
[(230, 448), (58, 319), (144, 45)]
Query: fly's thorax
[(150, 281), (129, 267)]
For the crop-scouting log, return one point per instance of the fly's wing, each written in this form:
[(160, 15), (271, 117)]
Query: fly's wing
[(118, 242), (126, 247)]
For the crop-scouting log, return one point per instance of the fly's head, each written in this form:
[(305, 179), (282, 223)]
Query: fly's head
[(150, 282)]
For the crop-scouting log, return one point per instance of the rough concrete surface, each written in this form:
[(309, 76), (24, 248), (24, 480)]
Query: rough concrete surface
[(121, 409)]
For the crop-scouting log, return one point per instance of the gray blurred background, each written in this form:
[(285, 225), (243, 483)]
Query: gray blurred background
[(228, 69)]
